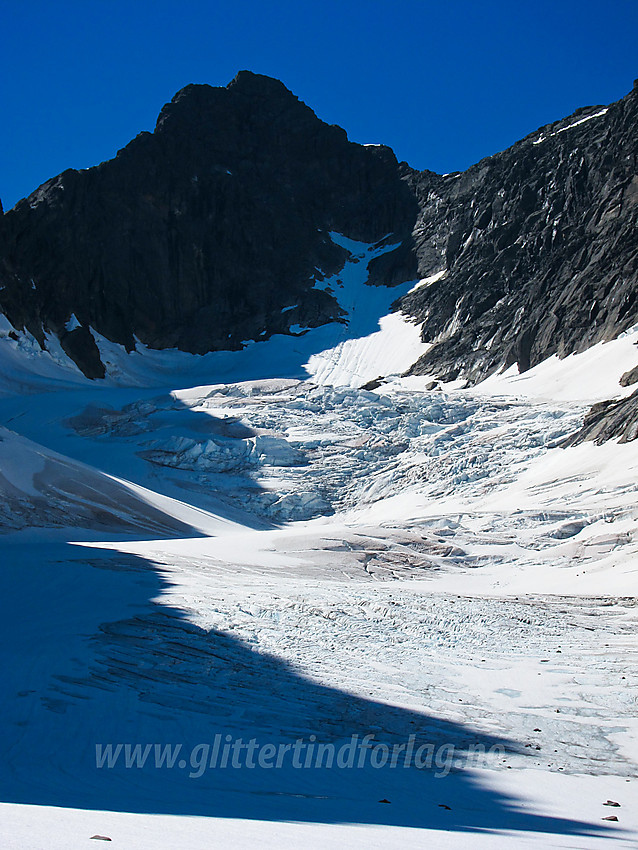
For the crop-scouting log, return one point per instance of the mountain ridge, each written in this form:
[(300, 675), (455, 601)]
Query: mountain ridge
[(529, 231)]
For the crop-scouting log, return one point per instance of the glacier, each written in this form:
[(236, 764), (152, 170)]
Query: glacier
[(254, 545)]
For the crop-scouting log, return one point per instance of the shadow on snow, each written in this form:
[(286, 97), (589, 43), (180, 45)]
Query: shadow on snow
[(92, 657)]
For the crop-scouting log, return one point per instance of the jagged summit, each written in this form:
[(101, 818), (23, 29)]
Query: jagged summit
[(198, 235), (247, 93)]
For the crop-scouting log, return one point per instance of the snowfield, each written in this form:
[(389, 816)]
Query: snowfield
[(346, 617)]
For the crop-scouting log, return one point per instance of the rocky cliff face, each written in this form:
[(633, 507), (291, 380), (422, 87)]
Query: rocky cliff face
[(539, 246), (200, 234), (197, 236)]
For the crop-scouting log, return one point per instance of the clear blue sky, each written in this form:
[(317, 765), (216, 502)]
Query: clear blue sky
[(443, 83)]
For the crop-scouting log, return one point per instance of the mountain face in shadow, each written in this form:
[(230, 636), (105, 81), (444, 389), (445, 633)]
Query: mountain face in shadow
[(197, 236), (214, 229)]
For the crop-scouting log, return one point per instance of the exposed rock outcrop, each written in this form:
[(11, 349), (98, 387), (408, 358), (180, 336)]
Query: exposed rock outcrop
[(609, 420)]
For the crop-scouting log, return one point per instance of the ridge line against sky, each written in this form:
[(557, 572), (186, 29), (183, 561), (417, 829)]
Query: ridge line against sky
[(443, 86)]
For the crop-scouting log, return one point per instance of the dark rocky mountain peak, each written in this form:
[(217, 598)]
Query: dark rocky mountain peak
[(199, 234)]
